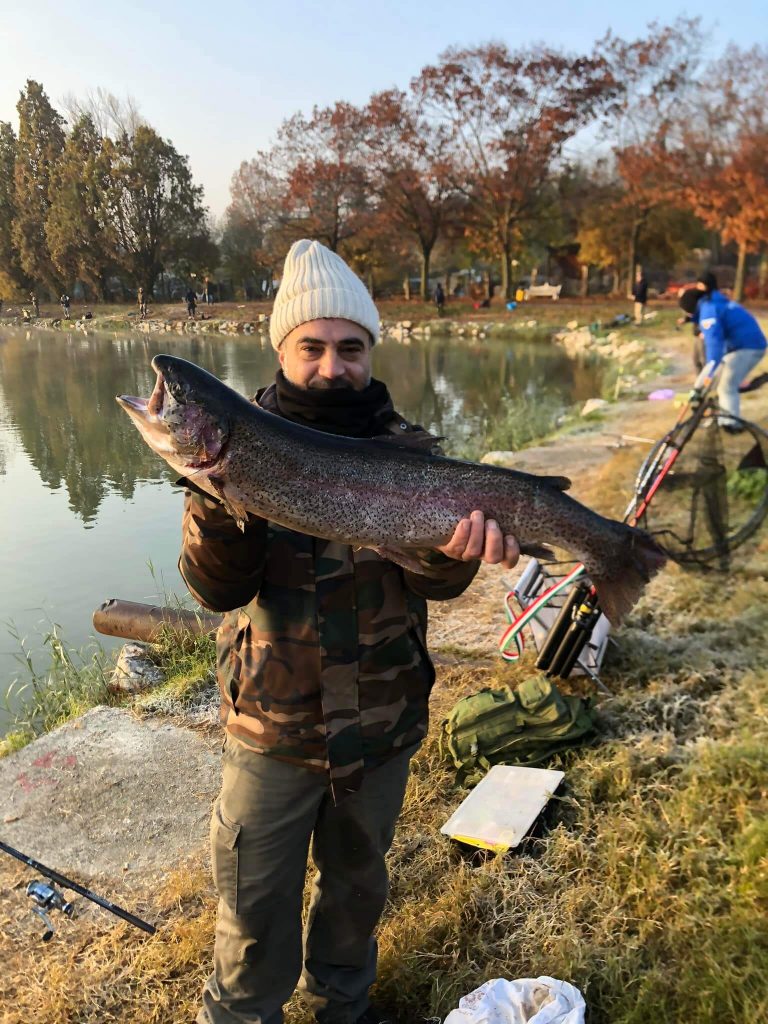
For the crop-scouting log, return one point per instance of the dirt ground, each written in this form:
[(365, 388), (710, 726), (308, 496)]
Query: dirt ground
[(109, 796)]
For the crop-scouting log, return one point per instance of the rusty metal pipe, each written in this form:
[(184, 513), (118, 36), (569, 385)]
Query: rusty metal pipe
[(136, 621)]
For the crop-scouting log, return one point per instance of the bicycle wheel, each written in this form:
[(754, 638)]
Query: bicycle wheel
[(716, 494)]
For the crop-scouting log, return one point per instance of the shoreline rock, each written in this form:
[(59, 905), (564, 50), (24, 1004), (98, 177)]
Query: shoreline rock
[(400, 330)]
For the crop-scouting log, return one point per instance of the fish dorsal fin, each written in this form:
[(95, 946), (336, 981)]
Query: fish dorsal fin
[(560, 483)]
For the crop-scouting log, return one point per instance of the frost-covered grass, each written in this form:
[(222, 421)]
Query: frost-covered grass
[(645, 884)]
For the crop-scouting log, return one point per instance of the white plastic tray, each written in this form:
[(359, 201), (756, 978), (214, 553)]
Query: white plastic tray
[(502, 807)]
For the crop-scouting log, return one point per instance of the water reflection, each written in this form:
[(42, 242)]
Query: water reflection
[(57, 396), (58, 393)]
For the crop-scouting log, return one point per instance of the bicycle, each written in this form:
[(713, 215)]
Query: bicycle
[(700, 507), (715, 496)]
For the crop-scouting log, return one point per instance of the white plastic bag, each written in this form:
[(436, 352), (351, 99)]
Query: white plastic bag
[(525, 1001)]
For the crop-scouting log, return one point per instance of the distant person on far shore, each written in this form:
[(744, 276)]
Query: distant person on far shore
[(191, 300), (64, 303), (142, 302), (440, 299), (35, 304), (639, 294)]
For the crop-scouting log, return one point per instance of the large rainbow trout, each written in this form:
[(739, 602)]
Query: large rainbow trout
[(371, 493)]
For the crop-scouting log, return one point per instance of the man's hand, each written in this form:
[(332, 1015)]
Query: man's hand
[(477, 537)]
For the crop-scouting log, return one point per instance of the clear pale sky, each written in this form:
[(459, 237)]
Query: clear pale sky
[(218, 78)]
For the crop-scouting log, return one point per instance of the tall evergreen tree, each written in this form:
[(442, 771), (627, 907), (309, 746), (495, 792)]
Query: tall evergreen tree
[(12, 277), (81, 245), (153, 207), (40, 144)]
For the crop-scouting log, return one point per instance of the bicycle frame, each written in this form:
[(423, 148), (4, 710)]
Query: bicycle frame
[(669, 448), (570, 641)]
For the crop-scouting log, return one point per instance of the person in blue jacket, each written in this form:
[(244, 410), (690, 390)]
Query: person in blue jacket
[(731, 336)]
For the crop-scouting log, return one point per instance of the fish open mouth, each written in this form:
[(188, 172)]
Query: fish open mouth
[(155, 403), (181, 432), (146, 407), (133, 404)]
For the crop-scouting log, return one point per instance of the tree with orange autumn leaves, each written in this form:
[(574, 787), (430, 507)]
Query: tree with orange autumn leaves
[(719, 165), (509, 114), (470, 155), (658, 73), (410, 159), (702, 143)]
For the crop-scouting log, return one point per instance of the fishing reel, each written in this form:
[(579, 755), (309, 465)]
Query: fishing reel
[(47, 897)]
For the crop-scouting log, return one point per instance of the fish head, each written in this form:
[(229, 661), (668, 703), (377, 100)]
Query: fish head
[(185, 418)]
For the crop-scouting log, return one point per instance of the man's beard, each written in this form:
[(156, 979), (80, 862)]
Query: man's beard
[(322, 384)]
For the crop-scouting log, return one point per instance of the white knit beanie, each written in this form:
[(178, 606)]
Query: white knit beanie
[(317, 283)]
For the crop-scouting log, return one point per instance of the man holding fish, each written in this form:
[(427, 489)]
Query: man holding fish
[(322, 522), (325, 681)]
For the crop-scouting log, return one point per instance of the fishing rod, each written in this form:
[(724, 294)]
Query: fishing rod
[(48, 897)]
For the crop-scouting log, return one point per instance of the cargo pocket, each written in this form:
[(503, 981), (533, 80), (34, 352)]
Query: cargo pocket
[(224, 856)]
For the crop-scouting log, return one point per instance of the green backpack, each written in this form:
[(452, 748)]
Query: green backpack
[(523, 726)]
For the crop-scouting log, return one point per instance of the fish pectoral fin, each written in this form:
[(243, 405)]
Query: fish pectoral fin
[(235, 508), (560, 483), (540, 551), (415, 442), (400, 557)]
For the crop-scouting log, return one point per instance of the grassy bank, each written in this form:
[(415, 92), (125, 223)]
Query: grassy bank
[(645, 884), (39, 700)]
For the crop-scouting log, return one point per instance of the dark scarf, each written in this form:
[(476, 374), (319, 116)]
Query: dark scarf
[(334, 411)]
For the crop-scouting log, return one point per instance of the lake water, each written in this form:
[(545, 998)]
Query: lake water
[(86, 507)]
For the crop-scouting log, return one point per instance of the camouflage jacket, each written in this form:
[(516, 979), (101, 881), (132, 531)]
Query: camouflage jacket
[(321, 657)]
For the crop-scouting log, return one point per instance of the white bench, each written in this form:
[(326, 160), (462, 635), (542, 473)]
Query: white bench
[(543, 291)]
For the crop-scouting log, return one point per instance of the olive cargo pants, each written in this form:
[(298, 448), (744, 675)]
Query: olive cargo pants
[(261, 827)]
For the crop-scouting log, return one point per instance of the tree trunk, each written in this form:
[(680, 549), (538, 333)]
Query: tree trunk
[(369, 275), (584, 280), (506, 275), (632, 254), (762, 272), (738, 284), (426, 254), (407, 288)]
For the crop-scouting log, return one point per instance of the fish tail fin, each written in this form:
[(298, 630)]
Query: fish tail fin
[(637, 559)]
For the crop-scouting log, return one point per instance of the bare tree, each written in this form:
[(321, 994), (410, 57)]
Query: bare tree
[(111, 116)]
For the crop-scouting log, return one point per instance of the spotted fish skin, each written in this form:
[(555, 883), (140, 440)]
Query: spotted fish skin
[(371, 493)]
